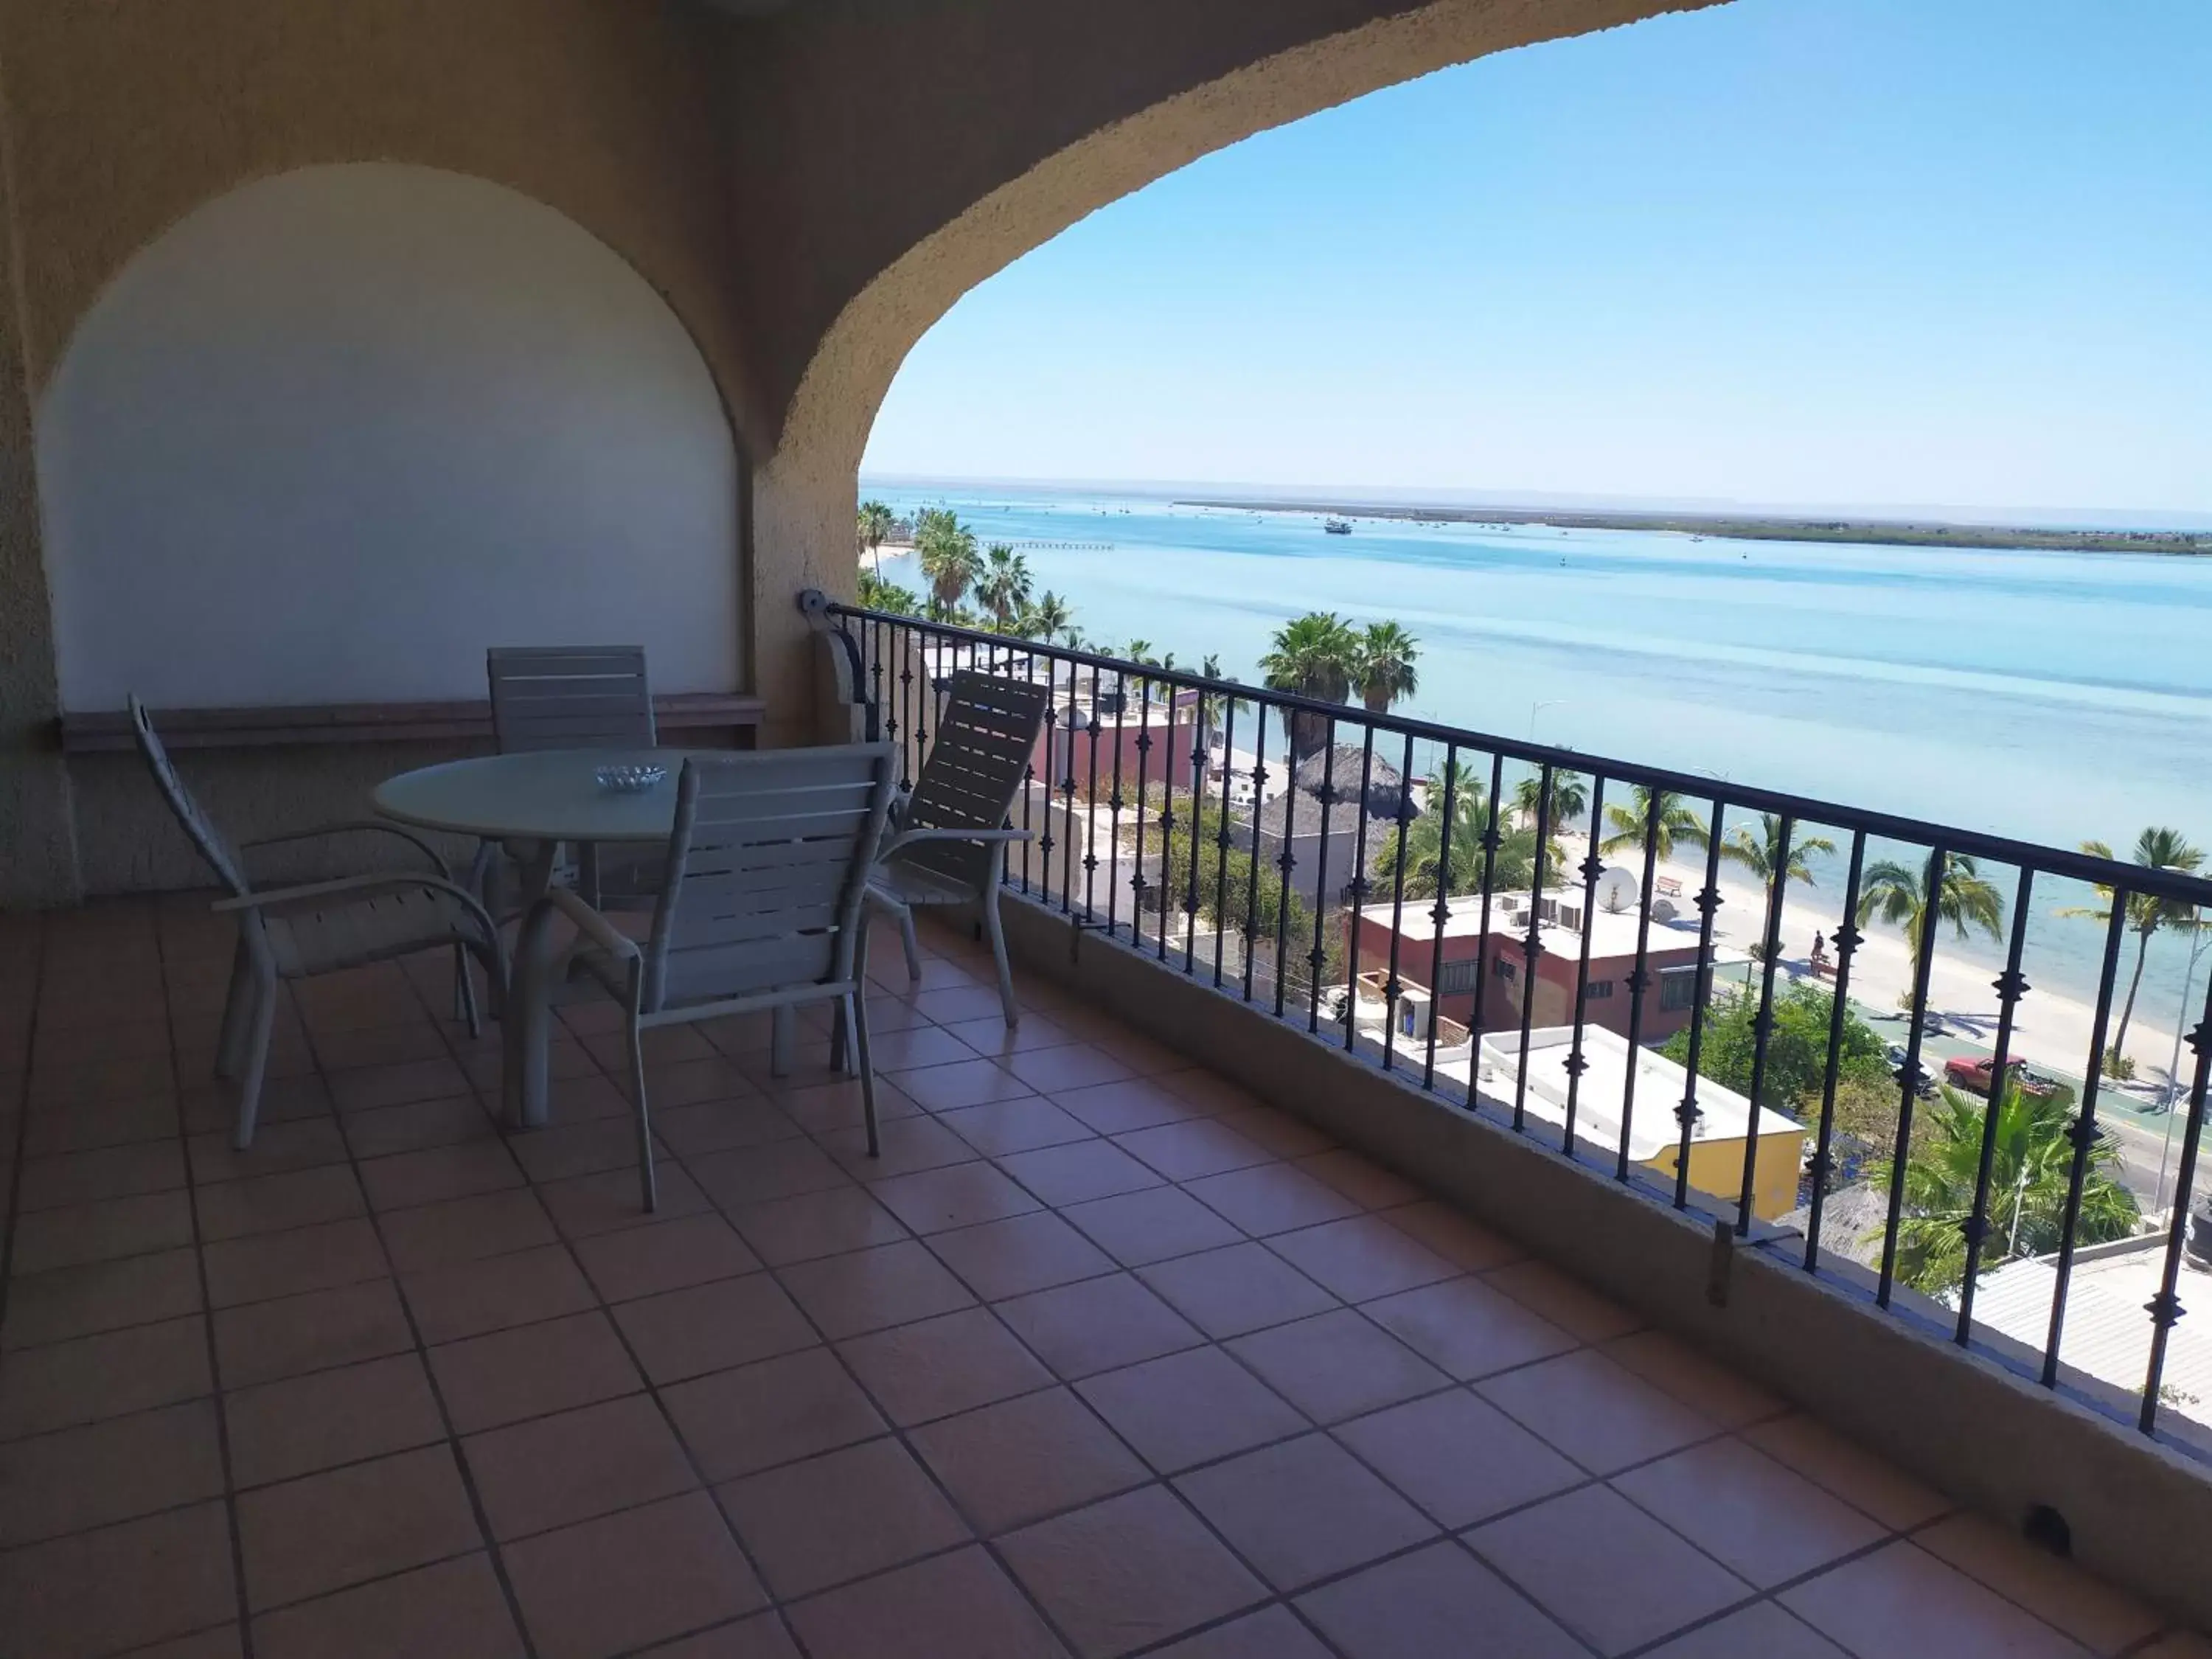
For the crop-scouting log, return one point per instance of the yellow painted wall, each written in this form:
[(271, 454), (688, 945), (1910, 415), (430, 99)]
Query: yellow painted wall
[(1716, 1170)]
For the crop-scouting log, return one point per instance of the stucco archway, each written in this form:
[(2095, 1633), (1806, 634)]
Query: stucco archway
[(1172, 83)]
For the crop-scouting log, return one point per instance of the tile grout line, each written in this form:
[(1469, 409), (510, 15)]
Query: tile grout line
[(13, 1198), (222, 1417)]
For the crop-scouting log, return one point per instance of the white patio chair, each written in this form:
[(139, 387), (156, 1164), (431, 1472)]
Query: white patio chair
[(986, 730), (318, 927), (766, 872), (569, 697)]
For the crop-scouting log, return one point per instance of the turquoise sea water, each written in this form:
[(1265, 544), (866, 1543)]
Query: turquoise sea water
[(2050, 697)]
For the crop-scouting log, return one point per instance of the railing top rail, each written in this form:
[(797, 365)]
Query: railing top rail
[(2131, 879)]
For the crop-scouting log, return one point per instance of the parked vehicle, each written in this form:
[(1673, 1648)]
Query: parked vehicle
[(1897, 1056), (1973, 1076)]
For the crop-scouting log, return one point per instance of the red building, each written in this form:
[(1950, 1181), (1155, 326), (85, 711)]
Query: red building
[(1497, 962)]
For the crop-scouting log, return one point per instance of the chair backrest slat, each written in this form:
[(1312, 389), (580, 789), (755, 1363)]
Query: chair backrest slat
[(767, 868), (986, 733), (570, 697), (211, 842)]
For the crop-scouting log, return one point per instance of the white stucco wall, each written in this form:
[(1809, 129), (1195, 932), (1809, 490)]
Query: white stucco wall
[(336, 431)]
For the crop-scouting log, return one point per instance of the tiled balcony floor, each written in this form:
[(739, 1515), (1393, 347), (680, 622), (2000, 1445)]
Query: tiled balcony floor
[(1104, 1357)]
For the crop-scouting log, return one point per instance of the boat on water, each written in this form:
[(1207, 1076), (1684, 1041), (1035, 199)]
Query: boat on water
[(1336, 527)]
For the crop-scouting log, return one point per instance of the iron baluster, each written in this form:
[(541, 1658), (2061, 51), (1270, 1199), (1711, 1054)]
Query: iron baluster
[(1777, 887), (1359, 862), (1846, 940), (1198, 766), (1285, 862), (1441, 915), (1029, 769), (1532, 948), (1592, 868), (1319, 958), (1640, 980), (1143, 781), (2010, 988), (924, 690), (1252, 876), (2084, 1133), (2165, 1307), (1067, 802), (1708, 902), (1909, 1075), (1391, 988), (1090, 805), (1484, 955), (1221, 835)]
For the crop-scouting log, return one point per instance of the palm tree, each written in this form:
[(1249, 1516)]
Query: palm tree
[(949, 558), (1898, 893), (2154, 849), (1211, 705), (874, 527), (1312, 657), (1050, 615), (877, 594), (1679, 824), (2029, 1177), (1761, 854), (1384, 670), (1568, 796), (1002, 584), (1513, 867)]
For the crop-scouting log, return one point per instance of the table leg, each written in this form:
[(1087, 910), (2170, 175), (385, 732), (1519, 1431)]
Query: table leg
[(528, 1028), (538, 871), (783, 1026)]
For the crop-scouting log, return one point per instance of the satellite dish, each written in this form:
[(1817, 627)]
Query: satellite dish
[(1617, 889)]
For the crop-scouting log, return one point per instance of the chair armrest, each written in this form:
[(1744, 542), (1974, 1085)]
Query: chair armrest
[(591, 924), (273, 896), (377, 826), (907, 838)]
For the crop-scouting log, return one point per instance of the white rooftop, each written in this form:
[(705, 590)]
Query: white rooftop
[(2108, 1329), (1659, 1088)]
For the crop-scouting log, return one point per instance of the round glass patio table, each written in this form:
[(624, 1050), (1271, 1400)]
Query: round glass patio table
[(547, 796)]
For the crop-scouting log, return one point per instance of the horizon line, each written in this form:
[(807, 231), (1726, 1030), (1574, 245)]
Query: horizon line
[(1403, 496)]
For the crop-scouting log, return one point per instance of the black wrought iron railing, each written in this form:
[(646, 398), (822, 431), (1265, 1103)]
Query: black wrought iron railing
[(1497, 922)]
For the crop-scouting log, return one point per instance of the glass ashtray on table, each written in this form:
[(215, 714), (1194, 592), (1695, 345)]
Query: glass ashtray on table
[(629, 779)]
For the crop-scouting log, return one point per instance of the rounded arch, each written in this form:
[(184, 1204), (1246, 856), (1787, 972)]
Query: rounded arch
[(338, 429), (834, 402)]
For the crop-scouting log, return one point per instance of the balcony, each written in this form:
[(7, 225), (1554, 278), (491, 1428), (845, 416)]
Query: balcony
[(1105, 1355), (1199, 1317)]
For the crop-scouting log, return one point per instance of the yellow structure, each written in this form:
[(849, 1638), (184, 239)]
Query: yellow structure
[(1716, 1145)]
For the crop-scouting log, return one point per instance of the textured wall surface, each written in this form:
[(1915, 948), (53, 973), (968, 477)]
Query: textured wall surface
[(334, 433)]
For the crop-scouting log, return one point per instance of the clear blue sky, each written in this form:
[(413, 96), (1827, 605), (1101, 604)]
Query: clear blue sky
[(1832, 251)]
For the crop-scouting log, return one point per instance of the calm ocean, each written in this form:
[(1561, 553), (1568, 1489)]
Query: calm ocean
[(2052, 696)]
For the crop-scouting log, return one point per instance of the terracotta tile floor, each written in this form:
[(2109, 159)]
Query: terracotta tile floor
[(1103, 1356)]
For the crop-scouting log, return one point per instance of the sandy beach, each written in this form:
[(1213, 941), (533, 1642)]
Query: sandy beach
[(2051, 1030)]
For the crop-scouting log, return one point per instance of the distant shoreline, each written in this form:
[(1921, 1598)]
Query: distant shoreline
[(1877, 532)]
